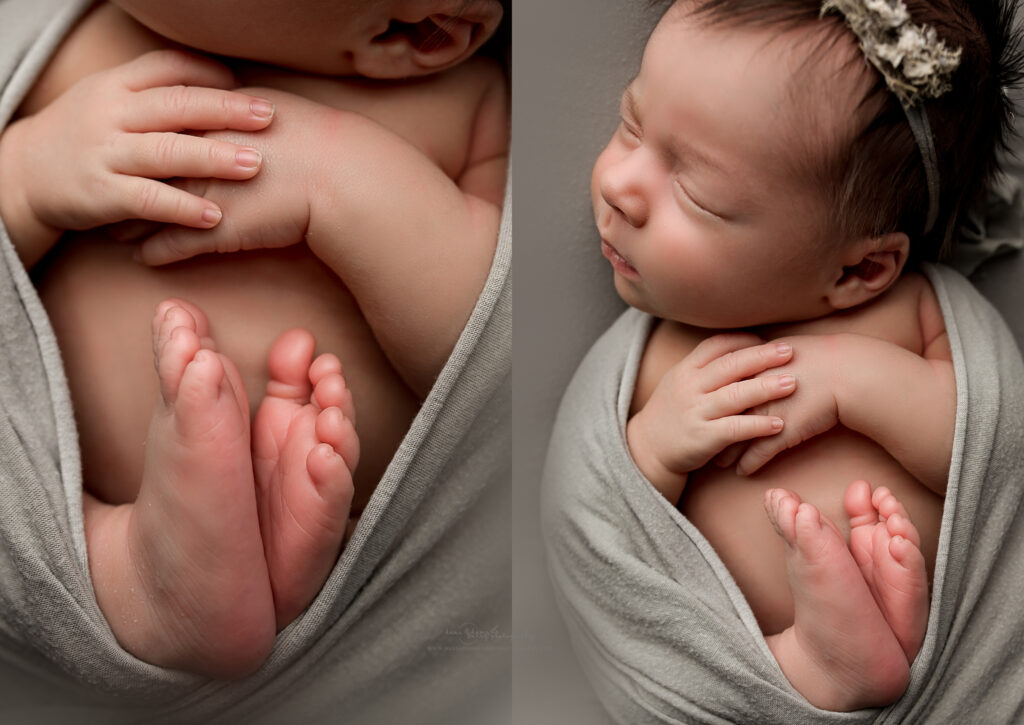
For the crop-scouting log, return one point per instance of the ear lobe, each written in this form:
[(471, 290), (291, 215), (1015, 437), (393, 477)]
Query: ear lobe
[(428, 44), (873, 273)]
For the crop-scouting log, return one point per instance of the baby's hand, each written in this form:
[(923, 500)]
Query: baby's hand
[(812, 411), (270, 211), (697, 409), (93, 156)]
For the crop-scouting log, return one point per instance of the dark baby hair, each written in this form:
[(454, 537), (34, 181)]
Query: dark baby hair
[(876, 184)]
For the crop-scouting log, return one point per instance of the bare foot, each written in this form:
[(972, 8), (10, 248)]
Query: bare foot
[(840, 652), (886, 546), (305, 449), (180, 573)]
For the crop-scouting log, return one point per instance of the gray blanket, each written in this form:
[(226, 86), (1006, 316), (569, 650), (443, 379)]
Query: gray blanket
[(663, 627), (367, 649)]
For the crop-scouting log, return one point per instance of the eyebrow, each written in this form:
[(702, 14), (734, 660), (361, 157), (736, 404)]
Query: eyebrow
[(679, 150)]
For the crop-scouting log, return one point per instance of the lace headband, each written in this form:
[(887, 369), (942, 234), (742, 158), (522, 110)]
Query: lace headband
[(915, 64)]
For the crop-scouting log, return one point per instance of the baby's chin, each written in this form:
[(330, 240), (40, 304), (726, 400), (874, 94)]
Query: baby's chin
[(691, 316)]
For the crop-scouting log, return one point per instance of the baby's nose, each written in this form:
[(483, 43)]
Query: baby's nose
[(623, 191)]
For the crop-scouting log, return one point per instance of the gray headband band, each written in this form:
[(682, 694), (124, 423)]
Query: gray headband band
[(915, 65)]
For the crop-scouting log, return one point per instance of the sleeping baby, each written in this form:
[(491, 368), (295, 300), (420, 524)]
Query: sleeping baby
[(778, 173), (359, 188)]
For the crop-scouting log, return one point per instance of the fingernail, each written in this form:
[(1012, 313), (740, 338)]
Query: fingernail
[(248, 158), (777, 423), (786, 381), (212, 216), (784, 348), (261, 108)]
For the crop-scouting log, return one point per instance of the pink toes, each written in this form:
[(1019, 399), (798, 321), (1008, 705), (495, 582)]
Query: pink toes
[(858, 504), (289, 363), (331, 476), (337, 430), (175, 345), (781, 506), (887, 504), (900, 525), (330, 389)]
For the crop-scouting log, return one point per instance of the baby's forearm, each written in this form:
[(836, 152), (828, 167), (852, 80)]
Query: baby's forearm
[(412, 247), (902, 401)]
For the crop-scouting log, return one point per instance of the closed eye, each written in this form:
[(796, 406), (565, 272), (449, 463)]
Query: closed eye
[(691, 201), (630, 131)]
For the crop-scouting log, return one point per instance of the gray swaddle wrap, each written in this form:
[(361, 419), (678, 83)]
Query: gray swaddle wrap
[(366, 648), (662, 625)]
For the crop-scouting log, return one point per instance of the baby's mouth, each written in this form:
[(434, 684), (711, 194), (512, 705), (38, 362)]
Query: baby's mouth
[(619, 263)]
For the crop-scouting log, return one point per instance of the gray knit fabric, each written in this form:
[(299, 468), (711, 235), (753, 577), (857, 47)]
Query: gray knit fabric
[(662, 625), (382, 641)]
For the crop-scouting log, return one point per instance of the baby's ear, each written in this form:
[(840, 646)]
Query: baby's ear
[(870, 268), (414, 45)]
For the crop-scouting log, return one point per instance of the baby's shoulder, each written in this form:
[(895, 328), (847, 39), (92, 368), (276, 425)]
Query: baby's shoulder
[(907, 314)]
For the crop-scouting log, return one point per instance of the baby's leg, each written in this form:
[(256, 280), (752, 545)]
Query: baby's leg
[(180, 574), (840, 653), (886, 546), (305, 449)]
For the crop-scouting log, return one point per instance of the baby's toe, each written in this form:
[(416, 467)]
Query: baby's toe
[(333, 481), (202, 324), (179, 347), (331, 391), (325, 364), (201, 382), (858, 505), (900, 525), (887, 504), (288, 365), (907, 553), (781, 506), (336, 429)]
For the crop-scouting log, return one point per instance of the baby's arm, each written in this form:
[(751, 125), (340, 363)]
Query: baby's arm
[(93, 155), (903, 401), (696, 409), (413, 245)]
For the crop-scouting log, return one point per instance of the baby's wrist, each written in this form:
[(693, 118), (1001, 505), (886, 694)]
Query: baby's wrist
[(669, 482), (31, 236)]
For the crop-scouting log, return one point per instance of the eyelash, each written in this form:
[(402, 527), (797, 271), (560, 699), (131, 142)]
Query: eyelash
[(694, 203), (630, 130)]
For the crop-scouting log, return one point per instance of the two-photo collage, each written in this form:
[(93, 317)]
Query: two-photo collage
[(500, 362)]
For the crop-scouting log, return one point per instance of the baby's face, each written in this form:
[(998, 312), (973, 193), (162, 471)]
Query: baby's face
[(702, 210), (331, 37)]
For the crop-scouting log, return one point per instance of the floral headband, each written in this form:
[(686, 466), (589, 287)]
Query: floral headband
[(915, 64)]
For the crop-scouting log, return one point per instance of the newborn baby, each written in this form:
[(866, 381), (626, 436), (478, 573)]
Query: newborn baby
[(202, 543), (763, 178)]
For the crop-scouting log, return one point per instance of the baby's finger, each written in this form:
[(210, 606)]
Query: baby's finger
[(744, 363), (726, 431), (132, 230), (177, 108), (730, 455), (759, 453), (737, 397), (174, 244), (159, 202), (175, 67), (711, 348), (166, 155)]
